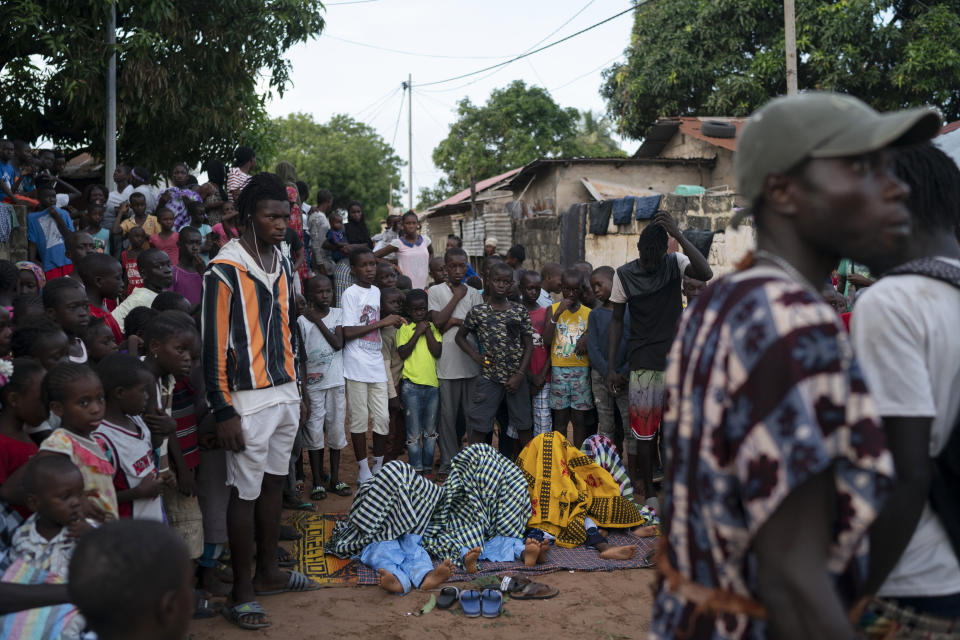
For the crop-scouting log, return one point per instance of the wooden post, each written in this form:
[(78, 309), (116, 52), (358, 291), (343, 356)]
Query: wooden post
[(790, 44)]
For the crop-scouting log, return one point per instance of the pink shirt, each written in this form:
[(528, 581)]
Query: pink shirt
[(168, 246), (414, 260)]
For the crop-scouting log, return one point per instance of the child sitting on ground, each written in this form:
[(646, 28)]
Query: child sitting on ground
[(187, 276), (131, 579), (126, 439), (419, 344), (323, 341), (99, 341), (65, 302), (570, 395), (73, 392), (136, 238), (391, 302), (54, 489), (166, 238)]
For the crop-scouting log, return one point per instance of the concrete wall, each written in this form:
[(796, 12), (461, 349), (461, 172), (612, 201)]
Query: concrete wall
[(708, 213), (540, 236), (683, 146)]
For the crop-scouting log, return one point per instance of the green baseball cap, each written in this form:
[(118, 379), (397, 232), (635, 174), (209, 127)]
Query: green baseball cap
[(818, 124)]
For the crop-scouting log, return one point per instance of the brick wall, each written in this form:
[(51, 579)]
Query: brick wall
[(540, 236)]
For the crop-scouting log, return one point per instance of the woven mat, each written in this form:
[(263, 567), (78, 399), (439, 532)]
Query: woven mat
[(330, 570)]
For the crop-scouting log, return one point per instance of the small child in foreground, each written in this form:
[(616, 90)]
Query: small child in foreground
[(54, 490), (21, 406), (99, 341), (539, 371), (391, 302), (598, 325), (132, 579), (66, 303), (73, 392)]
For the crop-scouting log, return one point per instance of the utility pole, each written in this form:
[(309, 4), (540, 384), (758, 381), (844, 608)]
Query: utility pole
[(111, 141), (790, 44), (410, 140)]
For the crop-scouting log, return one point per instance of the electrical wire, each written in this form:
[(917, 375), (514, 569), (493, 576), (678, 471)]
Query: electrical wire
[(569, 20), (584, 75), (530, 53), (377, 102), (414, 53), (396, 127)]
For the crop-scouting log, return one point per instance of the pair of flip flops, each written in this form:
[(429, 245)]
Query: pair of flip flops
[(487, 603), (520, 588)]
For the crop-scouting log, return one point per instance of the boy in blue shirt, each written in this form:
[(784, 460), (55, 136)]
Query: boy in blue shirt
[(46, 231), (598, 323)]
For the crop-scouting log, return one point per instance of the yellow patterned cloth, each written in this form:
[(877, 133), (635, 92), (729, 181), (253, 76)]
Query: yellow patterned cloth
[(566, 486)]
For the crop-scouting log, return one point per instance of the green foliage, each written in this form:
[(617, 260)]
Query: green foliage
[(345, 156), (187, 73), (517, 125), (726, 57), (595, 137)]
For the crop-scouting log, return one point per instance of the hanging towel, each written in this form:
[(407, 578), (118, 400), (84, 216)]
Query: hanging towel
[(647, 206), (623, 210), (600, 217)]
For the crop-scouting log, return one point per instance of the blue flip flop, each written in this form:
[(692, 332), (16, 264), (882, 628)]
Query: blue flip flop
[(470, 603), (491, 603)]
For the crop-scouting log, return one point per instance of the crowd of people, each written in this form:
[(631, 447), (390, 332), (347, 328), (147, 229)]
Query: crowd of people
[(171, 355)]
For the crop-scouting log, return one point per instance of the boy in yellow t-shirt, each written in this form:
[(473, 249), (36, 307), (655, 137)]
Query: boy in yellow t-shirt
[(419, 344), (570, 393)]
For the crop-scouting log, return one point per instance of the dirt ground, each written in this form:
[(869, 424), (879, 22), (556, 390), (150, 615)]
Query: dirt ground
[(603, 605)]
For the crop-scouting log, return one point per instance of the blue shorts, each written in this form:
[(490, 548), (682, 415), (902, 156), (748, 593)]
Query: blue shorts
[(570, 388)]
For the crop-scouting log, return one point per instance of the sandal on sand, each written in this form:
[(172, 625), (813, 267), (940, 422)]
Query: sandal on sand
[(318, 493), (535, 591), (342, 489), (448, 595), (470, 603), (491, 603), (236, 613), (296, 505), (297, 582), (204, 608)]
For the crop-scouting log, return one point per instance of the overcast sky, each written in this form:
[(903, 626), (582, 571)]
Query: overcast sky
[(333, 76)]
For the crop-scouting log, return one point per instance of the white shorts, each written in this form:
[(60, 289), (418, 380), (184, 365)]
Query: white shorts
[(268, 436), (328, 411), (367, 402)]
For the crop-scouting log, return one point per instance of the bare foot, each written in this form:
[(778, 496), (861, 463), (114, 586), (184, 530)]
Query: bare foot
[(531, 549), (389, 581), (438, 576), (542, 555), (603, 532), (645, 532), (470, 559), (618, 553)]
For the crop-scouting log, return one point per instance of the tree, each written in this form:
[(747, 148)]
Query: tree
[(726, 57), (345, 156), (187, 72), (595, 138), (518, 124)]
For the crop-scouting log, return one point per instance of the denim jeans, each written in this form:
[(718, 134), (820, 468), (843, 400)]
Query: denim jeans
[(421, 404)]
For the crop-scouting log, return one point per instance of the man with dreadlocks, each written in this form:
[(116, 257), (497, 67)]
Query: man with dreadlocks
[(651, 286), (249, 341)]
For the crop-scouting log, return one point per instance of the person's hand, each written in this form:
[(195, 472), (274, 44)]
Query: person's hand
[(149, 487), (394, 404), (91, 509), (616, 382), (77, 527), (134, 344), (537, 381), (164, 199), (304, 411), (124, 208), (161, 425), (562, 306), (168, 479), (393, 320), (422, 327), (459, 291), (666, 221), (230, 434), (186, 481), (454, 322), (858, 280), (513, 382), (207, 440), (581, 347)]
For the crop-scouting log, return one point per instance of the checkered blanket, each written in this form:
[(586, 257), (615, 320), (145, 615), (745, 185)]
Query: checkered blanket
[(484, 496), (396, 501), (558, 559)]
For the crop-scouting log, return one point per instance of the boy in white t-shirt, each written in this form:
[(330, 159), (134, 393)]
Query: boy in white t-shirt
[(126, 439), (363, 371), (323, 341)]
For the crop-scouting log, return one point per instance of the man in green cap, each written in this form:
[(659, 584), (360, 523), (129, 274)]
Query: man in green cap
[(776, 460)]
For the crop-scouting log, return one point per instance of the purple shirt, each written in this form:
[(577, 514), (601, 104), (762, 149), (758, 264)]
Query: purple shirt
[(188, 284)]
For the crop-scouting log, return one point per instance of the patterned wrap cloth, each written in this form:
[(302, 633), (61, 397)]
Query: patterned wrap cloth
[(566, 486), (604, 453)]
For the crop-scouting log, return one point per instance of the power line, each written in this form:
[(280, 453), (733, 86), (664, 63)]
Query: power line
[(396, 128), (377, 102), (569, 20), (530, 53), (334, 4), (584, 75)]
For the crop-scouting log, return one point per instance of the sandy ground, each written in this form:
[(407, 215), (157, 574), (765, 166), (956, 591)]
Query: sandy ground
[(605, 605)]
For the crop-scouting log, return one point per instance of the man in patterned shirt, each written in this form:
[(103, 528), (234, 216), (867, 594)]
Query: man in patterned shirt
[(776, 460)]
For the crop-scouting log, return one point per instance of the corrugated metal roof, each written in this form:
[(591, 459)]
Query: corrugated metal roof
[(480, 186), (666, 128)]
